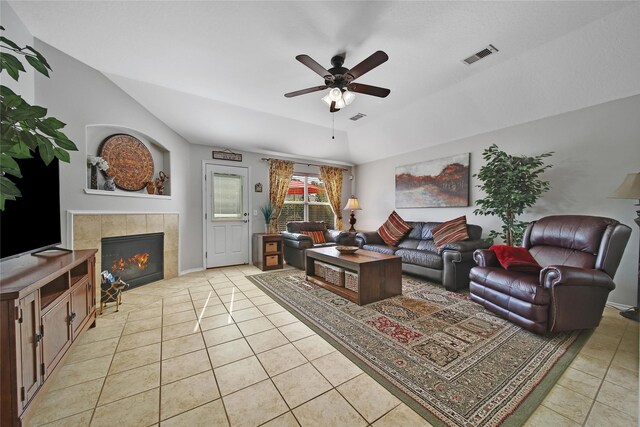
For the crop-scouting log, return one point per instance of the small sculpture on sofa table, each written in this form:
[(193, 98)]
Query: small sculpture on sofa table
[(579, 256)]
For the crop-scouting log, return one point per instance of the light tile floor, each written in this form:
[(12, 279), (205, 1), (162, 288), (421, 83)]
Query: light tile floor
[(211, 349)]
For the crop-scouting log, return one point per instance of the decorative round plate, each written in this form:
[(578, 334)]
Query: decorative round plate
[(130, 162), (347, 249)]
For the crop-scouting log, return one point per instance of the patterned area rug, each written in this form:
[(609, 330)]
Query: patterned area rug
[(451, 360)]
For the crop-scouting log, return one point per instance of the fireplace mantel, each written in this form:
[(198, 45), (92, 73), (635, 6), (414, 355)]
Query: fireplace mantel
[(85, 230), (123, 194)]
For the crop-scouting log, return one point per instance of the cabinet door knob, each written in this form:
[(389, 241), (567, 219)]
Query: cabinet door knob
[(38, 338)]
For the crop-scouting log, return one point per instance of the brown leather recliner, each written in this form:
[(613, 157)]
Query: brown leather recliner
[(295, 242), (579, 255)]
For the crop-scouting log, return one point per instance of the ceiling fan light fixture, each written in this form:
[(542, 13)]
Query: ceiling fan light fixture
[(348, 97), (338, 78), (335, 94)]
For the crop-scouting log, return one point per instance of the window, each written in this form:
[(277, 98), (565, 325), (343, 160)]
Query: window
[(306, 201), (227, 196)]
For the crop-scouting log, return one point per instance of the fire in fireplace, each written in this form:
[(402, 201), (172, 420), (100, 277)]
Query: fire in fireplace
[(136, 259), (141, 261)]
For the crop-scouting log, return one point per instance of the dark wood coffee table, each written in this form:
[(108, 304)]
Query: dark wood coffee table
[(379, 275)]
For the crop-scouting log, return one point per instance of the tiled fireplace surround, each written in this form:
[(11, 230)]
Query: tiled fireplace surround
[(86, 229)]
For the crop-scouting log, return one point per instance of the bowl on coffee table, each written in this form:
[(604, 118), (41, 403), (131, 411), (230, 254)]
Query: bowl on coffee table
[(347, 249)]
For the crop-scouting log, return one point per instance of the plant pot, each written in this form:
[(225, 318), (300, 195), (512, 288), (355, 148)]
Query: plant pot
[(94, 177)]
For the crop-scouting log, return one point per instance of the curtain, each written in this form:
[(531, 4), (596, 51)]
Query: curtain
[(280, 173), (332, 178)]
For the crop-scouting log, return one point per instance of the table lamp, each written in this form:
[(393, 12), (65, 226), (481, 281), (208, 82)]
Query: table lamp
[(630, 189), (352, 205)]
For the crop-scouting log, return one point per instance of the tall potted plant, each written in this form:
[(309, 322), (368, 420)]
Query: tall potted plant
[(25, 128), (511, 184)]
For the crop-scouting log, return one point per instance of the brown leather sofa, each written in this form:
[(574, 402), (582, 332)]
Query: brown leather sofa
[(421, 258), (579, 255)]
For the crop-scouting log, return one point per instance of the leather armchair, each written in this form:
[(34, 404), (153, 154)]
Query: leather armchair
[(295, 242), (579, 255)]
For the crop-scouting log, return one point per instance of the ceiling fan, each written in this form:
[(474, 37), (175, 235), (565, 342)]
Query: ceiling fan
[(340, 80)]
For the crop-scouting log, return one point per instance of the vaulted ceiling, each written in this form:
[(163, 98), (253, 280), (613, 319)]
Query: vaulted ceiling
[(216, 71)]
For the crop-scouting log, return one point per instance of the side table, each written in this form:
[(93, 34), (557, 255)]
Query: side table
[(267, 251)]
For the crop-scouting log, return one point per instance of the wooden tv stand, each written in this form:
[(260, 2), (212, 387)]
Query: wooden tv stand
[(46, 302)]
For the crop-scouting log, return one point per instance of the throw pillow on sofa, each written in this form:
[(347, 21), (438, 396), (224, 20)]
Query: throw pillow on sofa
[(394, 229), (515, 259), (316, 236), (450, 231)]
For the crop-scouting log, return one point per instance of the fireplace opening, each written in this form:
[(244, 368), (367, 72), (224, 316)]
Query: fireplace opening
[(136, 260)]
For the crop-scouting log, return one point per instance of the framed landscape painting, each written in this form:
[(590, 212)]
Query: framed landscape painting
[(435, 183)]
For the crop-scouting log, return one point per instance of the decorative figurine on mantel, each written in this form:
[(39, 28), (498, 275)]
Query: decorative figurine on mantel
[(96, 163), (160, 180), (151, 187), (109, 184)]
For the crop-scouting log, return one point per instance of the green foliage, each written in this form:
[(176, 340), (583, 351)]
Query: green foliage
[(25, 128), (512, 184), (321, 196), (267, 212)]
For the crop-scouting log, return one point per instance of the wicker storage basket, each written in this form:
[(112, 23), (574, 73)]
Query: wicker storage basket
[(334, 275), (351, 280), (271, 247), (271, 260), (320, 269)]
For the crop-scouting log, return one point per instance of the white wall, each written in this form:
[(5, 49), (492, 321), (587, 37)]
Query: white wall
[(16, 31), (258, 172), (81, 96), (594, 149), (85, 99)]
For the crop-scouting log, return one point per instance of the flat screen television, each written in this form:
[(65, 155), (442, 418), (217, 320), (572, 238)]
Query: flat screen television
[(32, 222)]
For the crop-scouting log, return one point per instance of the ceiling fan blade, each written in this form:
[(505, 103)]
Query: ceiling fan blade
[(304, 91), (319, 69), (368, 64), (332, 108), (369, 90)]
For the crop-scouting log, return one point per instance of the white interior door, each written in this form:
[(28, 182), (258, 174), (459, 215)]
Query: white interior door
[(227, 216)]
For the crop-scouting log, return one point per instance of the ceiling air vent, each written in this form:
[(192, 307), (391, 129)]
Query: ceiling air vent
[(357, 117), (479, 55)]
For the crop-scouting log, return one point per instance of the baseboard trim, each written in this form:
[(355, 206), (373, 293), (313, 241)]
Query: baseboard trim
[(617, 306), (191, 270)]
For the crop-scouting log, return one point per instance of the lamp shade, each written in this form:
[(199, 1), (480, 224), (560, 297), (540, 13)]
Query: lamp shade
[(629, 189), (352, 204), (335, 94), (348, 97)]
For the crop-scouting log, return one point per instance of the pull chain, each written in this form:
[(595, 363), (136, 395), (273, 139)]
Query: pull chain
[(333, 126)]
